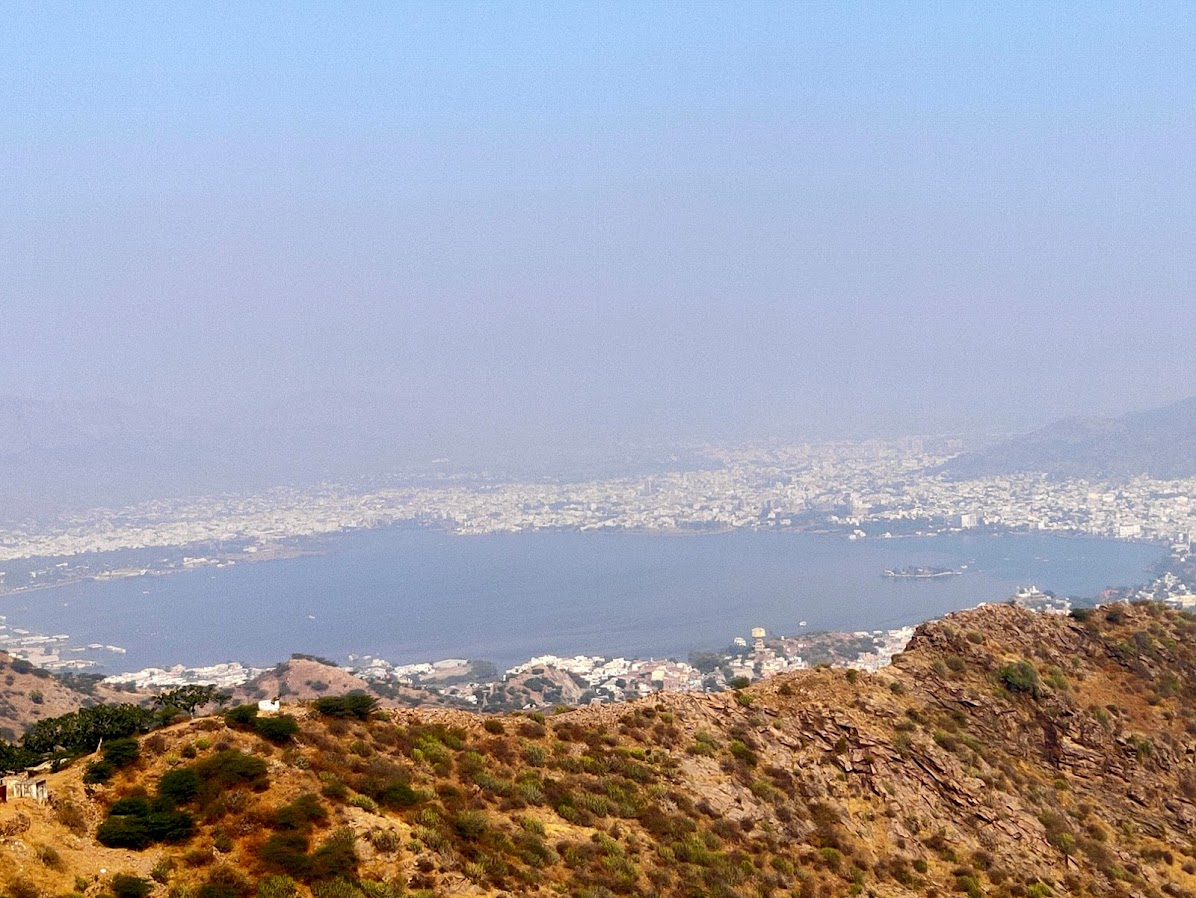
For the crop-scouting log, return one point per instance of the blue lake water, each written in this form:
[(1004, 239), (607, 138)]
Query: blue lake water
[(414, 595)]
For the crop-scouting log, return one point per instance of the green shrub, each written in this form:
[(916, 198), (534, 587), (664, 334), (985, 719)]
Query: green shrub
[(131, 805), (278, 730), (337, 888), (225, 882), (741, 752), (120, 752), (699, 747), (1020, 677), (49, 856), (134, 823), (399, 794), (470, 825), (169, 826), (276, 886), (230, 768), (337, 856), (98, 772), (301, 813), (832, 858), (241, 717), (286, 852), (162, 869), (355, 704), (125, 885), (179, 785), (123, 832), (21, 887), (222, 841)]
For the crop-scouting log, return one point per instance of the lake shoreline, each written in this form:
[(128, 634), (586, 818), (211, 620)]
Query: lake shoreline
[(409, 595)]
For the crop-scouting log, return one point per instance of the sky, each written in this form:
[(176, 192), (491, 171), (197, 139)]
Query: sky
[(609, 220)]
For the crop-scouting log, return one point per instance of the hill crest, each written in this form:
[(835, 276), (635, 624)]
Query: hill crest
[(1005, 753)]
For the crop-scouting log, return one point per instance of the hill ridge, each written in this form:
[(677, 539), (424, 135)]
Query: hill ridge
[(1157, 443), (1004, 753)]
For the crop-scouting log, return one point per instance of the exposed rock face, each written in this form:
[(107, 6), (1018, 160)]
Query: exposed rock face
[(1005, 753)]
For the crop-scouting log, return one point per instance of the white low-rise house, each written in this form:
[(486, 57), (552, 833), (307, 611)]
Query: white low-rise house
[(22, 785)]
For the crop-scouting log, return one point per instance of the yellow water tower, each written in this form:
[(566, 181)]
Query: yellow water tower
[(758, 638)]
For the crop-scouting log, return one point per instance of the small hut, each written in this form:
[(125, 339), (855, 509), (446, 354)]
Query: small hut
[(22, 785)]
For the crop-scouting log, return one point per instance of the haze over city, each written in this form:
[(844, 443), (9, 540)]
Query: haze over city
[(585, 222)]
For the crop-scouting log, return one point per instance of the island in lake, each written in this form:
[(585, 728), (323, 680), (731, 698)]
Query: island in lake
[(920, 573)]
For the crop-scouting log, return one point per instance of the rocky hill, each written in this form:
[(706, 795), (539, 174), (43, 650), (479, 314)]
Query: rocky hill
[(1157, 443), (306, 677), (29, 694), (1004, 754), (302, 677)]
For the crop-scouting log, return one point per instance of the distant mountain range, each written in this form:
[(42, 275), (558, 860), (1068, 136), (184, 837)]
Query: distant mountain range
[(1159, 443)]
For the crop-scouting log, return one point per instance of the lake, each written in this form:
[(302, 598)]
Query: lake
[(414, 595)]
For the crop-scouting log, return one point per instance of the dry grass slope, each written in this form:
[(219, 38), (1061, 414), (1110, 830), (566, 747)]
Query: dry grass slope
[(1004, 754)]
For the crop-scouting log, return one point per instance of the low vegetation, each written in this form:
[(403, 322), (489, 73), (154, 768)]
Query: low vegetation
[(1046, 757)]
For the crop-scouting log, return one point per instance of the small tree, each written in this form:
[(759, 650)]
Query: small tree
[(189, 698)]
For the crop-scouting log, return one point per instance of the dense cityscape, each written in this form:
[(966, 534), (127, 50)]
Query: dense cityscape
[(872, 488), (854, 490), (548, 680)]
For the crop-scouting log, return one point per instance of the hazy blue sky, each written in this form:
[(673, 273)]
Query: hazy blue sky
[(640, 218)]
